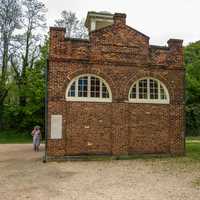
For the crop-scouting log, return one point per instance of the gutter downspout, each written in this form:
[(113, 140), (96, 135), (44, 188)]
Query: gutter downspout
[(46, 111)]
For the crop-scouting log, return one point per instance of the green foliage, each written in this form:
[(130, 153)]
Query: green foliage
[(192, 64), (34, 91), (25, 117), (10, 136)]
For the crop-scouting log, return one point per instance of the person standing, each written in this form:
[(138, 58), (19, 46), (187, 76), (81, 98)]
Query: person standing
[(36, 138)]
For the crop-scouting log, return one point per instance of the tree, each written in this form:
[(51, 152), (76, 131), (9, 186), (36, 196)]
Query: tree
[(10, 16), (29, 42), (192, 63), (25, 117), (74, 27), (24, 103), (35, 91)]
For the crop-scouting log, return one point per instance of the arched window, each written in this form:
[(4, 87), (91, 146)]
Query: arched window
[(88, 87), (148, 90)]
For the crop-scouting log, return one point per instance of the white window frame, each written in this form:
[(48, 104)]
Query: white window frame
[(148, 100), (88, 98)]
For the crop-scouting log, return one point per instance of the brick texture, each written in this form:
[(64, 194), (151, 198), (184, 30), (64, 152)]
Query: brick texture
[(120, 55)]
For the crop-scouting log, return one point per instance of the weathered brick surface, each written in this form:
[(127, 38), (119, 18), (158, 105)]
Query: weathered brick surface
[(120, 55)]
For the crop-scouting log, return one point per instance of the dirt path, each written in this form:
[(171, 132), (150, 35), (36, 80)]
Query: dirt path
[(24, 176)]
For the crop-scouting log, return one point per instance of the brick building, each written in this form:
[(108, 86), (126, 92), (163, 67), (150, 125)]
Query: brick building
[(114, 94)]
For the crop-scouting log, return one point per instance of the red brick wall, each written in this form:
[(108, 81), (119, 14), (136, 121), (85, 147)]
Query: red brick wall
[(120, 55)]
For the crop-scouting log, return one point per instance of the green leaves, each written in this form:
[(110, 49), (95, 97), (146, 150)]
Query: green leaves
[(192, 64), (34, 91), (24, 117)]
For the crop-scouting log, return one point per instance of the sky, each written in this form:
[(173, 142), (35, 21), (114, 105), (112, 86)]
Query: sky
[(159, 19)]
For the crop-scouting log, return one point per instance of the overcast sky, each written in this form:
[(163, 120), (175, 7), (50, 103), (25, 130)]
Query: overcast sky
[(159, 19)]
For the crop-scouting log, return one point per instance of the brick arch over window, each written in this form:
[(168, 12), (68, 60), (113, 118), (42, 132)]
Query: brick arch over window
[(88, 87), (148, 90), (128, 82), (94, 71)]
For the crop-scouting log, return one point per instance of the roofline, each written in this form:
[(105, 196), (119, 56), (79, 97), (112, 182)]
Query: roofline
[(57, 28), (159, 47), (138, 32), (101, 29), (104, 13), (76, 39), (98, 15)]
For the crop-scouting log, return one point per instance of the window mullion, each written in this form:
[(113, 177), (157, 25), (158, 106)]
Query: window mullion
[(100, 88), (148, 88), (159, 97), (76, 88), (137, 90), (89, 86)]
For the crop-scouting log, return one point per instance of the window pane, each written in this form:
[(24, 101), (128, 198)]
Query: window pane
[(105, 93), (148, 89), (162, 93), (71, 92), (143, 89), (133, 92), (95, 87), (82, 86), (153, 89)]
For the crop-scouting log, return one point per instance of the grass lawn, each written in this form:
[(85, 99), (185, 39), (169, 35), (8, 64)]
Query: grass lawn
[(11, 137), (193, 148)]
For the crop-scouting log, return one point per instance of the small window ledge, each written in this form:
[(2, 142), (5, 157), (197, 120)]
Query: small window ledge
[(148, 101), (87, 99)]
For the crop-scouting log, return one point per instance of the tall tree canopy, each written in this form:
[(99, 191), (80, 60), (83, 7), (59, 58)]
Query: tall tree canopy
[(21, 75), (192, 64), (10, 16), (33, 20), (24, 51)]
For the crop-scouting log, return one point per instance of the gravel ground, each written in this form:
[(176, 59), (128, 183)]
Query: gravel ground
[(24, 176)]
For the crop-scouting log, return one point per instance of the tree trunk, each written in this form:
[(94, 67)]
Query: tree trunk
[(22, 82), (3, 94), (3, 89)]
